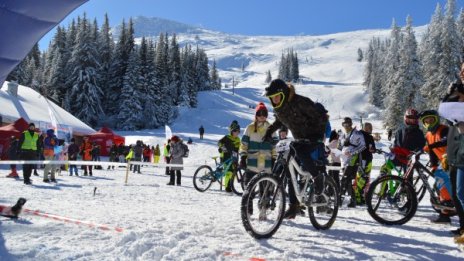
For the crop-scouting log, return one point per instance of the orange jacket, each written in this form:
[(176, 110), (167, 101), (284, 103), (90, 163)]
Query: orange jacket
[(86, 150), (436, 143)]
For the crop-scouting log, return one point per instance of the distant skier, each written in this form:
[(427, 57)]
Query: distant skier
[(202, 131)]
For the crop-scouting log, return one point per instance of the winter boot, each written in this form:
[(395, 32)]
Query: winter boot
[(16, 209), (352, 203), (13, 174), (457, 232), (442, 219), (292, 211)]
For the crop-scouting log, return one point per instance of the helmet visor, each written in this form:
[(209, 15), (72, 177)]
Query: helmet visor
[(277, 99)]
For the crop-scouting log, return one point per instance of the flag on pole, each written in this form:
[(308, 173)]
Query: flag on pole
[(168, 132)]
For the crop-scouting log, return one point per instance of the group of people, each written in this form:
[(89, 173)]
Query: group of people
[(351, 149)]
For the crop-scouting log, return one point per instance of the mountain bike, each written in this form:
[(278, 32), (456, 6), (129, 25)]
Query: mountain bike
[(263, 202), (390, 168), (205, 176), (393, 200)]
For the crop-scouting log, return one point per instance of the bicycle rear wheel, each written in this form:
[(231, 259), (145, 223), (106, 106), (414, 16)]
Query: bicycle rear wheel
[(263, 206), (323, 206), (391, 200), (203, 178), (238, 184)]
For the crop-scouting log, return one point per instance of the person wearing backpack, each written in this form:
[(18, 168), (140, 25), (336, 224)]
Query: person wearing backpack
[(363, 179), (177, 154), (352, 144), (229, 144)]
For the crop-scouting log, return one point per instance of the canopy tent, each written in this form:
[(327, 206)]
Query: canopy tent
[(105, 137), (12, 129), (23, 23)]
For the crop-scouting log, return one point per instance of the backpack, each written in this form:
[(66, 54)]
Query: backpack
[(185, 150)]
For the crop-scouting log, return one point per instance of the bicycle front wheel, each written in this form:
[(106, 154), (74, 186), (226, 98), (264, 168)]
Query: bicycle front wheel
[(203, 178), (391, 200), (323, 203), (238, 184), (263, 206)]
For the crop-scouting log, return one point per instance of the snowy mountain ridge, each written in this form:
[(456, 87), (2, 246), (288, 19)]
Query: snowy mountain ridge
[(245, 59)]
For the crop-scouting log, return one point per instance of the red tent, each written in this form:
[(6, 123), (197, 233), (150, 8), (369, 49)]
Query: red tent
[(105, 137), (13, 129)]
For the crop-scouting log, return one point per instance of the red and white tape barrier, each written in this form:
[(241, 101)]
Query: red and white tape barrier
[(71, 220)]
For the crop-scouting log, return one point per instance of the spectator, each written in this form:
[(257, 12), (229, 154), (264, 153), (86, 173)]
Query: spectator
[(202, 131), (49, 144), (13, 155), (29, 145), (177, 154), (113, 155), (138, 151), (86, 152), (167, 154), (73, 151), (156, 154)]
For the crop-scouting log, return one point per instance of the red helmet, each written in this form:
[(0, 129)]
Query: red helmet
[(411, 117)]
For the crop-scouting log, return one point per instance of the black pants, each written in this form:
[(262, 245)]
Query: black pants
[(173, 174), (346, 184), (168, 159), (88, 167), (335, 174), (304, 151), (27, 168), (457, 203)]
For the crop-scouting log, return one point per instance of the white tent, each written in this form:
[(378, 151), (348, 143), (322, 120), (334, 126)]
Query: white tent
[(18, 101)]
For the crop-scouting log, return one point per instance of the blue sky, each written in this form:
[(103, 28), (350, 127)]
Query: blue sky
[(266, 17)]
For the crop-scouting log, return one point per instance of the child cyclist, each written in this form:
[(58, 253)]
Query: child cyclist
[(228, 145)]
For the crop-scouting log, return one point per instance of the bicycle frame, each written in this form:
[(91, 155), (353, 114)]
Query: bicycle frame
[(222, 168), (294, 169), (415, 164)]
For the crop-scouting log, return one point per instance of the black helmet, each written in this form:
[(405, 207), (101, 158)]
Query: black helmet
[(234, 126), (283, 129), (427, 114), (347, 120), (278, 87)]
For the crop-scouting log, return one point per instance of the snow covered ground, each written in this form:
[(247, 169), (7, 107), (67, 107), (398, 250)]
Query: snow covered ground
[(163, 222)]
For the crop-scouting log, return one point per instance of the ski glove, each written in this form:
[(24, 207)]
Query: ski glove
[(268, 136), (243, 164)]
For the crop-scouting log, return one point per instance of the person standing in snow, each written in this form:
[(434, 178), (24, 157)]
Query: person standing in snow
[(454, 100), (73, 151), (410, 137), (86, 152), (334, 156), (50, 142), (167, 154), (256, 154), (177, 154), (156, 154), (307, 122), (352, 144), (29, 145), (202, 131), (13, 155), (229, 145)]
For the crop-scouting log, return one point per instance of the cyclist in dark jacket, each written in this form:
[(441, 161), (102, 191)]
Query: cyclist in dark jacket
[(410, 137), (306, 120)]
